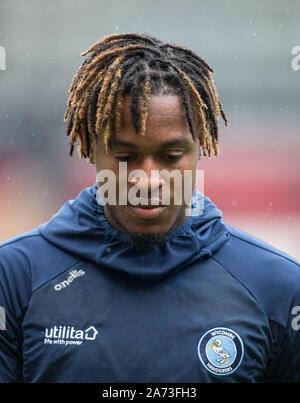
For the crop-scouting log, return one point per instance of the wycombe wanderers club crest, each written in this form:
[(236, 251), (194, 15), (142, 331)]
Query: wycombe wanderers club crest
[(221, 350)]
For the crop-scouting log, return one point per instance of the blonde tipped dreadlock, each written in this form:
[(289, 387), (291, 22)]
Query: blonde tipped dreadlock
[(139, 66), (146, 104)]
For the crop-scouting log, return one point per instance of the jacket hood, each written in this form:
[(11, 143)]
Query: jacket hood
[(81, 229)]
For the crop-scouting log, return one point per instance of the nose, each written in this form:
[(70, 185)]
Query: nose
[(147, 176)]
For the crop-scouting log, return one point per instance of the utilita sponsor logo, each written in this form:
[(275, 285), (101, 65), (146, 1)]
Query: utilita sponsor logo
[(72, 275), (68, 335)]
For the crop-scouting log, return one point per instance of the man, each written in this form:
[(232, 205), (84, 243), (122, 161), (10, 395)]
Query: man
[(141, 287)]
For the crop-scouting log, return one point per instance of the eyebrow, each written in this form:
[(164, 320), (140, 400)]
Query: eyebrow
[(174, 142)]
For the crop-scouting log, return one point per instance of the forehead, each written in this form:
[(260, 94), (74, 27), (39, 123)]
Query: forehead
[(165, 122)]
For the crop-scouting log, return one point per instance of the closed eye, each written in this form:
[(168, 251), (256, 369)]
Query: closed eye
[(172, 157), (125, 157), (169, 157)]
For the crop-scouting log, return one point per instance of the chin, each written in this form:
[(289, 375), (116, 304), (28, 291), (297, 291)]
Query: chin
[(146, 229), (125, 221)]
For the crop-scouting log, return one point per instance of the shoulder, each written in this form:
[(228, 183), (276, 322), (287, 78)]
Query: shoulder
[(269, 274), (29, 258)]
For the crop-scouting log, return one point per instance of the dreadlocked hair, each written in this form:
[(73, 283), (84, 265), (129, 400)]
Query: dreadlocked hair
[(140, 66)]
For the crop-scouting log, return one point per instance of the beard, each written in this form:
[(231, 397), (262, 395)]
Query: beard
[(145, 242), (140, 241)]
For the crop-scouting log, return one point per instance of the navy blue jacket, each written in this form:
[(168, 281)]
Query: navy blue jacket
[(212, 304)]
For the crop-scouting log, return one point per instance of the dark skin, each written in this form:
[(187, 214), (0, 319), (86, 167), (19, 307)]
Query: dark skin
[(168, 144)]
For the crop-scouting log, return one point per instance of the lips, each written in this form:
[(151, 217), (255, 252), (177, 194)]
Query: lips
[(148, 211)]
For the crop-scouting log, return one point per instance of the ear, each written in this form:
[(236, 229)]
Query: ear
[(91, 158)]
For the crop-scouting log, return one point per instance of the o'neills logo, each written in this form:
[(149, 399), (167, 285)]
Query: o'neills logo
[(68, 335), (72, 275)]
